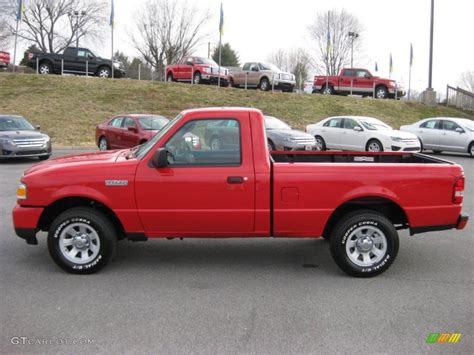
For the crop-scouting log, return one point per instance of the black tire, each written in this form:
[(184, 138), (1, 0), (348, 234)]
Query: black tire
[(290, 90), (271, 146), (45, 68), (103, 144), (358, 222), (437, 151), (470, 150), (231, 83), (104, 72), (381, 92), (374, 142), (327, 90), (320, 141), (421, 145), (264, 84), (169, 77), (92, 220), (44, 157), (197, 78)]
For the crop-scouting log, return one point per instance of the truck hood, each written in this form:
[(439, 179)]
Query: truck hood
[(85, 160), (21, 134)]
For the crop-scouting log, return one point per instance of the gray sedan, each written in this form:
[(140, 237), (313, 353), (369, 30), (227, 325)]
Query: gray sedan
[(19, 139), (282, 137), (441, 134)]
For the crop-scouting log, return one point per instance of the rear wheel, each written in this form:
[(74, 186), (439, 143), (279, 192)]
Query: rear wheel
[(264, 84), (421, 145), (103, 144), (320, 143), (81, 240), (364, 243), (374, 146)]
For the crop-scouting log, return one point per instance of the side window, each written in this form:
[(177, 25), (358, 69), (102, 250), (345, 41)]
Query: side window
[(81, 53), (116, 122), (189, 61), (246, 66), (348, 72), (361, 73), (253, 66), (129, 123), (334, 123), (207, 142), (450, 125), (429, 124), (350, 123)]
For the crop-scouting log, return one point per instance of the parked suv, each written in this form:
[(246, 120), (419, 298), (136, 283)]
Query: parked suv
[(19, 139)]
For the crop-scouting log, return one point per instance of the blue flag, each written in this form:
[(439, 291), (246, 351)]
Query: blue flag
[(221, 21), (21, 10), (112, 14)]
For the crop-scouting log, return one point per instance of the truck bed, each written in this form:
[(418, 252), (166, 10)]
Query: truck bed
[(353, 157)]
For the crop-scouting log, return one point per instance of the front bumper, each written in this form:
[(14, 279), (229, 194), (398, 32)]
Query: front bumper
[(25, 220), (119, 73), (24, 152), (399, 92), (214, 79)]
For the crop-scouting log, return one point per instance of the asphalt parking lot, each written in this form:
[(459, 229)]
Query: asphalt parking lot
[(236, 296)]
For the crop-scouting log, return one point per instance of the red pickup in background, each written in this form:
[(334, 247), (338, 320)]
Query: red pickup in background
[(358, 82), (4, 59), (197, 70)]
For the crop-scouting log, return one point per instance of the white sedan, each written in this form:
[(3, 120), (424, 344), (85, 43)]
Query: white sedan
[(444, 134), (361, 134)]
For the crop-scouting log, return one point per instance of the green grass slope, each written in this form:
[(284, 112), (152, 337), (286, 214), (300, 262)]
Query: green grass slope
[(69, 108)]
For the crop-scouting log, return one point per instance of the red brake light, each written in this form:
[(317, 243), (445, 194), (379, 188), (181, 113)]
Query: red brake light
[(458, 191)]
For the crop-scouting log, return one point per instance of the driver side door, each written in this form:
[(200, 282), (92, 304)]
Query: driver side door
[(201, 193)]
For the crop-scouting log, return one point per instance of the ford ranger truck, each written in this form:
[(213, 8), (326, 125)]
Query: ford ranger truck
[(164, 188), (357, 82), (197, 70)]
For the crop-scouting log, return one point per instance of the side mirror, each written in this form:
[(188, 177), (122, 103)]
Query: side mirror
[(160, 158), (38, 128), (459, 130), (357, 128), (132, 129)]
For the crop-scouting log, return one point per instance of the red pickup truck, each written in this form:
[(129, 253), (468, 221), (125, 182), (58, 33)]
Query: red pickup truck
[(4, 59), (357, 82), (164, 189), (197, 70)]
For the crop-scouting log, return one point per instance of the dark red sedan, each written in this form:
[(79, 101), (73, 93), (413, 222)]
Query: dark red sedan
[(127, 131)]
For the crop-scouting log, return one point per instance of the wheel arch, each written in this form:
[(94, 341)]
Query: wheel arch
[(47, 61), (383, 204), (60, 205)]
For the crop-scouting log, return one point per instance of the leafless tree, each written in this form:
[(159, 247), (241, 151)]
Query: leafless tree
[(297, 61), (340, 24), (6, 13), (466, 81), (52, 26), (168, 30)]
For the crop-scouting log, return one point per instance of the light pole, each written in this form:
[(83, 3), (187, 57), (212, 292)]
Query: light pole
[(429, 95), (77, 15), (353, 36)]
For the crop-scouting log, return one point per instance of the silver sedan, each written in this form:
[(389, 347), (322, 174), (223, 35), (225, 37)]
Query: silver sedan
[(447, 134)]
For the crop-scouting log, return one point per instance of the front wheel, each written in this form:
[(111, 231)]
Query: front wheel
[(103, 144), (374, 146), (327, 90), (104, 72), (45, 69), (320, 143), (381, 92), (81, 240), (197, 78), (364, 243)]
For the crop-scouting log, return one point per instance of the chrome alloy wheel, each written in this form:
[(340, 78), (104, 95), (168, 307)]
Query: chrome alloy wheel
[(103, 144), (44, 69), (79, 243), (327, 90), (104, 73), (374, 147), (366, 246), (380, 94), (319, 144)]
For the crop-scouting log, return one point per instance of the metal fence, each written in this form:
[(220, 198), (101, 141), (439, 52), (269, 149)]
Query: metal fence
[(459, 98)]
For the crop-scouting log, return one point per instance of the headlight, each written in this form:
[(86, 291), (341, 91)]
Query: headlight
[(396, 139), (21, 192), (6, 141), (47, 139), (117, 65)]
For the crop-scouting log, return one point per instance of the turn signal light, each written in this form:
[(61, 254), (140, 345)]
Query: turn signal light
[(21, 192), (458, 192)]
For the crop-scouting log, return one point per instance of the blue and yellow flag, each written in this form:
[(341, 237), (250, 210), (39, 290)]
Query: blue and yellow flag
[(112, 14), (221, 21), (21, 10)]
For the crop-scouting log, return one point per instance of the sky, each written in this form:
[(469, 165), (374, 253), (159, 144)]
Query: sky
[(256, 28)]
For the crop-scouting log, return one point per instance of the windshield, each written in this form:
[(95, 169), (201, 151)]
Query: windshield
[(205, 61), (144, 148), (271, 67), (374, 125), (468, 124), (153, 123), (15, 124), (275, 123)]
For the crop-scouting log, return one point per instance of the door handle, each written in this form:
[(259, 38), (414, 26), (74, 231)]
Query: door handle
[(236, 179)]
